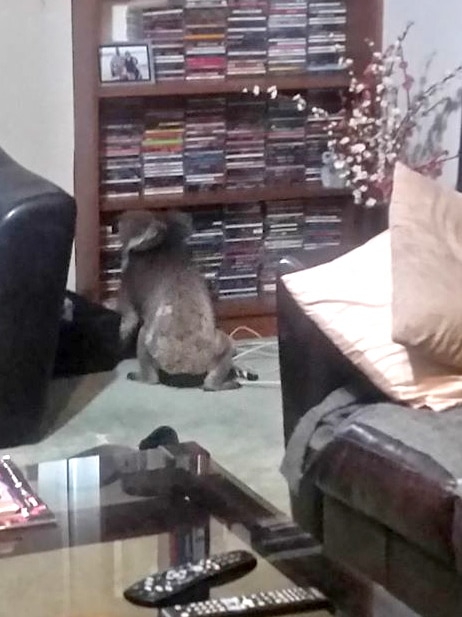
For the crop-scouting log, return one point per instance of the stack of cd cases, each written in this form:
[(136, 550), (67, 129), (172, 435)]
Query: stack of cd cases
[(237, 247), (326, 35), (206, 243), (162, 151), (243, 233), (119, 151), (287, 31), (284, 222), (245, 142), (285, 146), (209, 143), (204, 147), (164, 28), (214, 39), (246, 38), (204, 38)]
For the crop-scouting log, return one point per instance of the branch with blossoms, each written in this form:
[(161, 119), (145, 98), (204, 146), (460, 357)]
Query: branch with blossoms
[(373, 133), (384, 110)]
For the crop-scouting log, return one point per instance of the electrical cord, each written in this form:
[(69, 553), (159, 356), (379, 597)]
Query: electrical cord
[(245, 329), (246, 352), (259, 382), (246, 347)]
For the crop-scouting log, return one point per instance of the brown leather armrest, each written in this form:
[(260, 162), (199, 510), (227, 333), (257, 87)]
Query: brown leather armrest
[(403, 489)]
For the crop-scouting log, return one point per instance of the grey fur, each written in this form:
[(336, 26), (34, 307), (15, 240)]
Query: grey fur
[(165, 298)]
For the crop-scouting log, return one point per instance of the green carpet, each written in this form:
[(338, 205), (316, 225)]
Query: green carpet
[(242, 428)]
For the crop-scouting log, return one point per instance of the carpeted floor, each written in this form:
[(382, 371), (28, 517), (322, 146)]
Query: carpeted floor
[(241, 428)]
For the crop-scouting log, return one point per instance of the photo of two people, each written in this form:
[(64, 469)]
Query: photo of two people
[(124, 63)]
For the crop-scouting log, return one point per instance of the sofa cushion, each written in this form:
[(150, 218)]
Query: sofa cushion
[(426, 243), (349, 299)]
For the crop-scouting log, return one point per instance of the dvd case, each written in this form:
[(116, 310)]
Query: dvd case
[(20, 506)]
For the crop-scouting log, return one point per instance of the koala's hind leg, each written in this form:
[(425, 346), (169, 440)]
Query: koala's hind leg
[(218, 378), (129, 320), (148, 372)]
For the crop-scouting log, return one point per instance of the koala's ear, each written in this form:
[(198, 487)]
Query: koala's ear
[(151, 237), (181, 223), (140, 231)]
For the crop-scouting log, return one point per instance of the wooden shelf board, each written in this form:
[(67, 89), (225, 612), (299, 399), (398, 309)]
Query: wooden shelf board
[(239, 307), (223, 86), (223, 196)]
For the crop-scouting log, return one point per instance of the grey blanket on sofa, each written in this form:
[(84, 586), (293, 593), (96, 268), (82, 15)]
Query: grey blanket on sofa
[(438, 435)]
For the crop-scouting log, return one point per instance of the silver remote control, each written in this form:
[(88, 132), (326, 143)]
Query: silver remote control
[(289, 600)]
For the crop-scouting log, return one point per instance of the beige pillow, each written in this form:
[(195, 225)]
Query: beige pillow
[(350, 301), (426, 245)]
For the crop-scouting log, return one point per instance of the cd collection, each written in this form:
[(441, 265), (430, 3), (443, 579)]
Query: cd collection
[(120, 150), (245, 143), (213, 39), (240, 141), (204, 143), (237, 247), (246, 45), (287, 36), (326, 35), (159, 147)]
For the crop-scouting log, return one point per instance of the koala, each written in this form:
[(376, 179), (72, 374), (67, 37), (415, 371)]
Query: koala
[(165, 299)]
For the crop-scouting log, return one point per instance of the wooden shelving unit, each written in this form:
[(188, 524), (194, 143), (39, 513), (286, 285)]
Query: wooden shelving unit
[(223, 86), (225, 196), (364, 21)]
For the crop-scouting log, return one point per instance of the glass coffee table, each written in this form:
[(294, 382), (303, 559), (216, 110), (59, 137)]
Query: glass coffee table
[(121, 516)]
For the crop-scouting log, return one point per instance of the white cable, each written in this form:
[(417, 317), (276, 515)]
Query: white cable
[(244, 382), (252, 342), (255, 340), (272, 355), (272, 346), (259, 355), (246, 347), (251, 350), (245, 329)]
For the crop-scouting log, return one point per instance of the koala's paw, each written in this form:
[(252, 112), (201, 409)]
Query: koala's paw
[(232, 385), (153, 380), (226, 385)]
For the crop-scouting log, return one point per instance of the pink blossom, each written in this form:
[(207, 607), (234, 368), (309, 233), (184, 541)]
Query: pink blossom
[(373, 132), (408, 83)]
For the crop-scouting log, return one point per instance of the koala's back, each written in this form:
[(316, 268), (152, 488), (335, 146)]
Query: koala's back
[(177, 313)]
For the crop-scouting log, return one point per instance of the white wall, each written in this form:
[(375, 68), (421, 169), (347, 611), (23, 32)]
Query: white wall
[(436, 29), (36, 95)]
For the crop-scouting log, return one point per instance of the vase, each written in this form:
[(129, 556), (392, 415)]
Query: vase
[(330, 177)]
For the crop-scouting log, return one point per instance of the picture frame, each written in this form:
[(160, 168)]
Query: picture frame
[(124, 63)]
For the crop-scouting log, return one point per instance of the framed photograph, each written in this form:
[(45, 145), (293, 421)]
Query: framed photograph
[(124, 62)]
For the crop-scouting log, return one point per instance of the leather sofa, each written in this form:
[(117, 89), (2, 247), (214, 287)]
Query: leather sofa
[(386, 511), (37, 223)]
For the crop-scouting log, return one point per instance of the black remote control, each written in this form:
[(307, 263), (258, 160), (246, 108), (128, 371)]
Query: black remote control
[(161, 588), (287, 600)]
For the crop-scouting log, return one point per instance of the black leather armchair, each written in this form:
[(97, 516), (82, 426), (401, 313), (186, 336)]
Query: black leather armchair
[(37, 222)]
